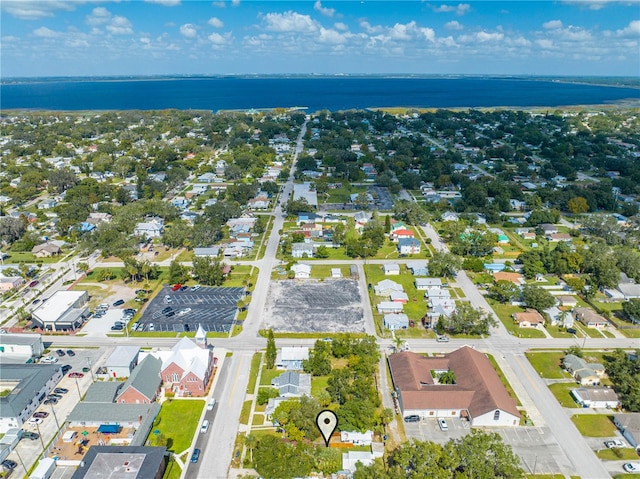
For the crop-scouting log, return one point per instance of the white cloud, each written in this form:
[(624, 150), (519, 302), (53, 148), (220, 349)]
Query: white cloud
[(215, 22), (219, 4), (370, 29), (545, 44), (188, 30), (632, 30), (235, 3), (327, 12), (459, 9), (343, 27), (331, 36), (489, 37), (590, 4), (218, 39), (98, 16), (120, 26), (428, 33), (453, 25), (290, 22), (34, 9), (552, 25), (402, 31), (166, 3), (44, 32)]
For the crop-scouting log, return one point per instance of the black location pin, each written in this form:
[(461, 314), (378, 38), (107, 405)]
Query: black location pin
[(327, 422)]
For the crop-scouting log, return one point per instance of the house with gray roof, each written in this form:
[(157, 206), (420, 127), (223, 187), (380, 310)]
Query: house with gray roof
[(629, 426), (292, 384), (121, 361), (28, 386), (103, 391), (20, 348), (418, 268), (122, 461), (143, 385), (302, 250)]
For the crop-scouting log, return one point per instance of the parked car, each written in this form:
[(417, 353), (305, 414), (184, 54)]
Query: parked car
[(117, 327), (412, 418), (66, 368), (53, 396), (29, 435), (196, 287), (195, 456), (34, 283), (35, 420), (571, 330), (60, 391), (49, 360), (50, 401), (166, 310), (152, 327), (205, 426), (184, 311), (76, 375), (40, 414), (631, 466), (168, 299), (184, 288), (443, 424), (35, 301), (70, 352), (130, 311), (614, 444), (170, 313), (134, 326), (9, 464), (119, 302), (60, 352), (176, 287), (442, 339)]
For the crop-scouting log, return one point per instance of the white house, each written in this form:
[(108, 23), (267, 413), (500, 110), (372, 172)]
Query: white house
[(408, 246), (418, 268), (291, 357), (302, 250), (427, 283), (301, 271), (596, 397), (395, 321), (357, 438), (149, 229), (390, 307), (386, 287), (391, 269)]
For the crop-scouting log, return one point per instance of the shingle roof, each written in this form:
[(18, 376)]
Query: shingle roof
[(31, 379), (478, 388), (103, 391), (145, 378)]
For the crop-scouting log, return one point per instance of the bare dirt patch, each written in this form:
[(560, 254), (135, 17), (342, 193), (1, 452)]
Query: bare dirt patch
[(314, 306)]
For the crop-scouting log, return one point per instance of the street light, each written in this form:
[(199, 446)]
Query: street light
[(21, 462), (40, 434), (93, 379), (55, 417), (78, 388)]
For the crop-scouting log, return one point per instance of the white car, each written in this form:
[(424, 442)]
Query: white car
[(184, 311), (49, 360), (34, 421), (631, 467), (614, 444), (196, 287)]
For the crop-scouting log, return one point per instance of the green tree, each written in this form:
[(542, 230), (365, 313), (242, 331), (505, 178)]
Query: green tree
[(631, 309), (208, 271), (537, 298), (504, 291), (467, 320), (264, 394), (444, 264), (250, 442), (178, 273), (270, 357), (447, 377), (578, 205)]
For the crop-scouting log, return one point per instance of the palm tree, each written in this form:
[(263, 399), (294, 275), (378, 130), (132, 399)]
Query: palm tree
[(250, 442), (448, 377), (397, 342)]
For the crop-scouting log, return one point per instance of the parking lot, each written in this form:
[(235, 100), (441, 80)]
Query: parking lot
[(314, 306), (213, 308)]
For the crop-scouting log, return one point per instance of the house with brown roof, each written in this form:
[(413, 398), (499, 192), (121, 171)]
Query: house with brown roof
[(45, 250), (478, 394), (590, 318), (515, 278), (529, 319)]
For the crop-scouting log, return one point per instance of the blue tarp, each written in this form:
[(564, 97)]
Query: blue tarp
[(109, 428)]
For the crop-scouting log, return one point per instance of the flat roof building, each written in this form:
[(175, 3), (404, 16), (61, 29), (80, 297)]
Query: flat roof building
[(20, 348), (64, 311), (122, 462)]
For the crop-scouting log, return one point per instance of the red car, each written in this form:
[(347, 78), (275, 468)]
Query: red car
[(176, 287), (76, 375), (33, 284), (40, 414)]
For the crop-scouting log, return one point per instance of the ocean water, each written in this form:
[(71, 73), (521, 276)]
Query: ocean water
[(315, 93)]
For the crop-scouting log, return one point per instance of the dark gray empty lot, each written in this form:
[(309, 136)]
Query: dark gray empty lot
[(332, 305), (213, 308)]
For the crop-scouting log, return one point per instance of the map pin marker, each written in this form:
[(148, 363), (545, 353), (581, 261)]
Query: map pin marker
[(327, 422)]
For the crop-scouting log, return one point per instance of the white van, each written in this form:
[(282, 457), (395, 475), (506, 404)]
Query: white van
[(205, 426), (211, 404)]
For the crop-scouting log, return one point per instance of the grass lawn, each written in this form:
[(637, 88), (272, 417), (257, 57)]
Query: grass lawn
[(173, 470), (177, 421), (502, 377), (620, 454), (592, 332), (594, 425), (240, 276), (258, 420), (558, 332), (415, 308), (561, 391), (548, 364), (244, 413), (341, 195), (28, 257), (318, 384), (505, 311), (253, 373), (319, 271), (544, 476), (267, 376)]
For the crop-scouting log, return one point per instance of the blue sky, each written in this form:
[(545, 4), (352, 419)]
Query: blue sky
[(148, 37)]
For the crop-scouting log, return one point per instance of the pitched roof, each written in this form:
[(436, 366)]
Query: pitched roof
[(530, 316), (478, 387), (145, 378)]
